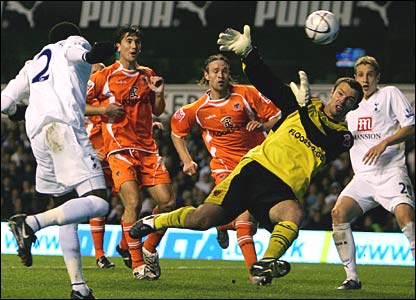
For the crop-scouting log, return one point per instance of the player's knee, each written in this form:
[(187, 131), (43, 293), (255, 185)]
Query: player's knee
[(336, 215), (294, 213), (167, 205), (202, 222), (100, 206), (131, 202)]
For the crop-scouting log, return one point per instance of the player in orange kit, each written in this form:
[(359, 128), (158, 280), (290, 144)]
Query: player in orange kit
[(93, 127), (129, 145), (233, 119)]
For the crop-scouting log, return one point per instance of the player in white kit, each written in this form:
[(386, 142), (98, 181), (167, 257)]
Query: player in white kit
[(380, 125), (55, 83)]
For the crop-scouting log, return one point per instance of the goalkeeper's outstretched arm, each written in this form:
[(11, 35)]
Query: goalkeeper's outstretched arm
[(259, 74)]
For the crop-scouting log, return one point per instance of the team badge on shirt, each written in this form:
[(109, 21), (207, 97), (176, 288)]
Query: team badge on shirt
[(227, 122), (237, 107), (179, 115), (347, 140)]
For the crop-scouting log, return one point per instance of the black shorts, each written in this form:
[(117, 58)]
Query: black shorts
[(251, 187)]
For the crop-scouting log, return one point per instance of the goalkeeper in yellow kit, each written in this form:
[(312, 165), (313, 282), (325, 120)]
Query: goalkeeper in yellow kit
[(271, 177)]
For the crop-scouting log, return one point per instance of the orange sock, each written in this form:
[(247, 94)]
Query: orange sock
[(246, 243), (228, 226), (153, 239), (135, 245), (123, 242), (97, 233)]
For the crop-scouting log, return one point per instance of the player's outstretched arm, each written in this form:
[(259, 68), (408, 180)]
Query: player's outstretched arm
[(100, 51)]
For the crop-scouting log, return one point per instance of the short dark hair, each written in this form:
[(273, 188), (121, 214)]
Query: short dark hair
[(62, 31), (130, 29), (354, 84)]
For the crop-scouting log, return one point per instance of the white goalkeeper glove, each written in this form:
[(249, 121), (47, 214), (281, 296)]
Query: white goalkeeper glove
[(232, 40), (302, 94)]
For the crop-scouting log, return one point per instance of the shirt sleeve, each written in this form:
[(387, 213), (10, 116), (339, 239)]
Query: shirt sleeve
[(17, 89), (182, 121), (265, 108), (74, 48), (268, 83), (95, 87), (401, 106)]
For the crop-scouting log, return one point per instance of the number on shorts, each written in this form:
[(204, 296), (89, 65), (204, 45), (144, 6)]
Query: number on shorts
[(40, 76), (406, 189)]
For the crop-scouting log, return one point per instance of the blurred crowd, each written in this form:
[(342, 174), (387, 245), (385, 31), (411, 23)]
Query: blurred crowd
[(18, 193)]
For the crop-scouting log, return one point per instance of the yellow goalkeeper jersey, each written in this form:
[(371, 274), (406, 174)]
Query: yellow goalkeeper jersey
[(303, 141)]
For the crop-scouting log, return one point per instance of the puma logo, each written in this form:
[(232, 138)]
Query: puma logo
[(380, 9), (200, 11), (27, 12)]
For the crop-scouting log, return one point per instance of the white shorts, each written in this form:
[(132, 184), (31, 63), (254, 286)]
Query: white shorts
[(388, 189), (65, 161)]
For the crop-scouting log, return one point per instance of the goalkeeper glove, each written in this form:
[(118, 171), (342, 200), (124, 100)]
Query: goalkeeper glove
[(19, 115), (302, 94), (99, 52), (232, 40)]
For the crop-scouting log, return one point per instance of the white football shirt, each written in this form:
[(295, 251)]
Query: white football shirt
[(377, 118), (55, 81)]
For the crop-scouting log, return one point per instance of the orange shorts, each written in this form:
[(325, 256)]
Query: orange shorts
[(220, 168), (218, 177), (107, 173), (147, 169)]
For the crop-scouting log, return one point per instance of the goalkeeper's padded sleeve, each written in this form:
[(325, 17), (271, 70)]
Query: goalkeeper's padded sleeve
[(19, 115), (100, 52)]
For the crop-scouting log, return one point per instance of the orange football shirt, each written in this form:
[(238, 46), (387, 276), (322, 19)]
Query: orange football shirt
[(223, 124), (130, 89)]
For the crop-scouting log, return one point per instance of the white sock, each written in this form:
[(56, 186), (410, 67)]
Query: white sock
[(409, 232), (69, 241), (76, 210), (344, 242)]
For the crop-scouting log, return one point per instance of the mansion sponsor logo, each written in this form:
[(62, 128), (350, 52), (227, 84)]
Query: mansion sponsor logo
[(367, 136)]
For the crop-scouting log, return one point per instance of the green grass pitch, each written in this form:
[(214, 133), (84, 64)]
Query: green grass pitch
[(200, 279)]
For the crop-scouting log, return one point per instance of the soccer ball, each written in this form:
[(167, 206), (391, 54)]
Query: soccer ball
[(322, 27)]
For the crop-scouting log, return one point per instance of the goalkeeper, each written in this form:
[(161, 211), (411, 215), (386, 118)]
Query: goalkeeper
[(272, 177)]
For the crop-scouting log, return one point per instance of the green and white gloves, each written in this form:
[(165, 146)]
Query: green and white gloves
[(302, 94), (232, 40)]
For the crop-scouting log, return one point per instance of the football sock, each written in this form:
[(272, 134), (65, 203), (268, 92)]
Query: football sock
[(246, 243), (153, 239), (76, 211), (344, 242), (409, 232), (228, 226), (135, 245), (97, 226), (123, 242), (283, 235), (68, 239), (174, 218)]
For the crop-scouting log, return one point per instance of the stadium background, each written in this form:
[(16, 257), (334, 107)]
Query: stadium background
[(176, 42), (177, 39)]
